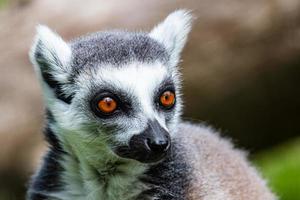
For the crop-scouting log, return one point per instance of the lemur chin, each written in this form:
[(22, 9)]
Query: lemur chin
[(113, 106)]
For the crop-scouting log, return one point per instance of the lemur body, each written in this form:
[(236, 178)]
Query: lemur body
[(113, 123)]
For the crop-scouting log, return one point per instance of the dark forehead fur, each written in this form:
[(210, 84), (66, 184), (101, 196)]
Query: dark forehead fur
[(116, 48)]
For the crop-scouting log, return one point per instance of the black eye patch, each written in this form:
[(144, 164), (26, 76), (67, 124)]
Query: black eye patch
[(166, 85), (122, 99)]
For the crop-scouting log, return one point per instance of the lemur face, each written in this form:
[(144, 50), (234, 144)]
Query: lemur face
[(135, 105), (114, 91)]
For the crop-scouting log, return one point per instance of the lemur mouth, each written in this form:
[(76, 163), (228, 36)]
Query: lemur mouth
[(142, 155)]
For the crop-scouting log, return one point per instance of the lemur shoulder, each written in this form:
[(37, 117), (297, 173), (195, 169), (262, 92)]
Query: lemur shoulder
[(113, 107)]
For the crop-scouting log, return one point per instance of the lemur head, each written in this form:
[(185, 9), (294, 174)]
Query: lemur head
[(115, 93)]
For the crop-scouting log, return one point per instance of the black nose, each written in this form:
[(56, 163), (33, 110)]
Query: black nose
[(151, 145), (158, 146)]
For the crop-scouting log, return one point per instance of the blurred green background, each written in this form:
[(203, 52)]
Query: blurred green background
[(241, 70)]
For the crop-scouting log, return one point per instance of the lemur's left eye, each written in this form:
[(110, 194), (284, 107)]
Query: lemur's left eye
[(167, 99), (107, 105)]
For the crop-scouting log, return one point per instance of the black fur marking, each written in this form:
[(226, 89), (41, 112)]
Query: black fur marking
[(123, 103), (115, 48), (167, 84), (50, 135), (126, 105), (48, 177), (45, 72), (37, 196), (169, 179)]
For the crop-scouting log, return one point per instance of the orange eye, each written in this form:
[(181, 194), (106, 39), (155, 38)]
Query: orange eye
[(167, 99), (107, 105)]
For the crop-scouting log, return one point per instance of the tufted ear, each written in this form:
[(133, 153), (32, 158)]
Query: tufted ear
[(51, 57), (173, 32)]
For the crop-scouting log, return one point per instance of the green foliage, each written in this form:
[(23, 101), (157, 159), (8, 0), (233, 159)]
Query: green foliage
[(3, 3), (281, 167)]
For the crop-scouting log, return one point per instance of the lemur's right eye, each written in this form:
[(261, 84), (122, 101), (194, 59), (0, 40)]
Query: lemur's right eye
[(107, 105), (167, 99)]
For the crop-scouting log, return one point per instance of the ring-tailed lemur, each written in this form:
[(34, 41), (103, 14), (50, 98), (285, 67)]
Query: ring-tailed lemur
[(113, 106)]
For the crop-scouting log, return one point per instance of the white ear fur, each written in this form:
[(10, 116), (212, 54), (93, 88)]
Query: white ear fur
[(50, 49), (173, 32)]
